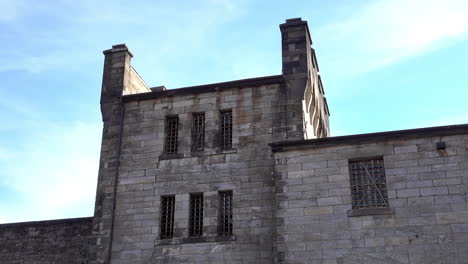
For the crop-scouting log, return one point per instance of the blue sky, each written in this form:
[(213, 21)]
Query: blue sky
[(385, 65)]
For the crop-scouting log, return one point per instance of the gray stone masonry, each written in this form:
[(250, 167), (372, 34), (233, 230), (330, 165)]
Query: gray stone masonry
[(51, 242), (427, 191), (135, 172), (119, 78), (290, 181), (146, 173), (306, 110)]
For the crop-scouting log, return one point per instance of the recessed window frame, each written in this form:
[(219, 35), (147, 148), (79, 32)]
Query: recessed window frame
[(225, 129), (166, 225), (198, 132), (225, 213), (369, 194), (196, 205), (171, 130)]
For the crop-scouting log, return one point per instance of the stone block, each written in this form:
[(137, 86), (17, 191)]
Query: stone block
[(406, 149), (408, 193), (321, 210), (329, 201)]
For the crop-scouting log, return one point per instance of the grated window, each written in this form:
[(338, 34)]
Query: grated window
[(167, 216), (225, 213), (368, 183), (198, 132), (172, 129), (225, 133), (196, 215)]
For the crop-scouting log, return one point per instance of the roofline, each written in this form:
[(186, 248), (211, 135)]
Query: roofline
[(47, 222), (286, 145), (206, 88)]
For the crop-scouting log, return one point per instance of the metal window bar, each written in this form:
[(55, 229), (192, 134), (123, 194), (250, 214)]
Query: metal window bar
[(225, 134), (167, 217), (198, 132), (196, 215), (225, 216), (172, 129), (368, 183)]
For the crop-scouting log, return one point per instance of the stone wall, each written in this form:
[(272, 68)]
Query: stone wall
[(427, 191), (146, 173), (54, 241)]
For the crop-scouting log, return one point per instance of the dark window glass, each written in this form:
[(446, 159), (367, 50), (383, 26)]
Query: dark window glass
[(368, 183), (172, 129), (167, 216), (198, 132), (196, 215), (225, 133), (225, 213)]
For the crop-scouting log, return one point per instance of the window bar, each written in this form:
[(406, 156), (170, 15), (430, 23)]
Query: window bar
[(172, 129), (167, 217), (226, 130), (368, 184), (198, 132), (225, 216), (196, 215)]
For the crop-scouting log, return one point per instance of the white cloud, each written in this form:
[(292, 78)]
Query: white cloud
[(388, 31), (175, 29)]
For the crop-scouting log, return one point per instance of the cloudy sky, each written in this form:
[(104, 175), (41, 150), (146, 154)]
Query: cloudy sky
[(385, 65)]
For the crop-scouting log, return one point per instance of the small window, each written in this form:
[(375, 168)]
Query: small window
[(225, 133), (196, 215), (368, 183), (225, 213), (198, 132), (167, 216), (172, 131)]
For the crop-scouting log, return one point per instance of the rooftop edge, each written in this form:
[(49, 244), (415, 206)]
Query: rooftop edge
[(286, 145), (242, 83), (47, 222)]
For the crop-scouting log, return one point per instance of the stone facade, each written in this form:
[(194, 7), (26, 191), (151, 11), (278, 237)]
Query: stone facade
[(264, 110), (292, 201), (427, 195)]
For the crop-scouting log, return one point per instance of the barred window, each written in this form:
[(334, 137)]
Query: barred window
[(172, 129), (225, 213), (167, 216), (225, 133), (368, 183), (196, 215), (198, 132)]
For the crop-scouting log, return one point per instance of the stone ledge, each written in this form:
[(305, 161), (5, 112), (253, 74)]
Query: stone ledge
[(187, 240), (244, 83), (370, 211), (53, 222), (286, 145), (166, 156)]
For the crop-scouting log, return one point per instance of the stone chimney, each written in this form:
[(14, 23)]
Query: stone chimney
[(307, 112), (119, 78)]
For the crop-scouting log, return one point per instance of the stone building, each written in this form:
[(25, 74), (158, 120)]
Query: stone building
[(246, 172)]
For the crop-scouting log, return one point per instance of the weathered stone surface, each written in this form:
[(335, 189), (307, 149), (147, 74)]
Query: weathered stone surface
[(54, 242), (291, 197), (429, 222)]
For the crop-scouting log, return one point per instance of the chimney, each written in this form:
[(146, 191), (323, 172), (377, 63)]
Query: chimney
[(296, 55), (116, 69), (307, 110)]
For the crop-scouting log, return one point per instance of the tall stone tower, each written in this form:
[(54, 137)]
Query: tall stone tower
[(166, 152), (119, 78)]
